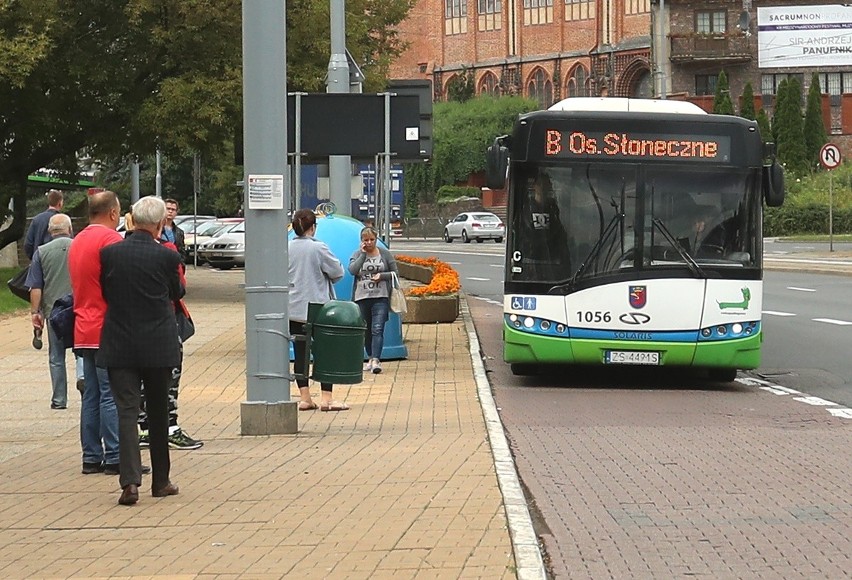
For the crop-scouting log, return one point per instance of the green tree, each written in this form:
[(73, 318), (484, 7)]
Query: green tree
[(461, 133), (747, 103), (815, 134), (790, 138), (780, 97), (461, 87), (722, 104), (116, 77)]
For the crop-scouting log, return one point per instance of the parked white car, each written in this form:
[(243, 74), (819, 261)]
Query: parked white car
[(475, 225)]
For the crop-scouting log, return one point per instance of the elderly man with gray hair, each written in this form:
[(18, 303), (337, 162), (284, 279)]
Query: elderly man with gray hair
[(139, 343), (48, 280)]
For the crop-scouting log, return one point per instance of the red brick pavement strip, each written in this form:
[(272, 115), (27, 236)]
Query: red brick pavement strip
[(734, 483), (403, 485)]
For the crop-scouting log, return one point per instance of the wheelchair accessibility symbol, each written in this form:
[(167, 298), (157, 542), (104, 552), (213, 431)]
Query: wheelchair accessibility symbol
[(523, 303)]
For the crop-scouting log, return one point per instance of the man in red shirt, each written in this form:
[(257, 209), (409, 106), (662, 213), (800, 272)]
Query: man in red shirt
[(98, 415)]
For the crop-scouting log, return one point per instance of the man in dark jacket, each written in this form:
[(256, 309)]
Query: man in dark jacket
[(38, 235), (172, 233), (139, 343)]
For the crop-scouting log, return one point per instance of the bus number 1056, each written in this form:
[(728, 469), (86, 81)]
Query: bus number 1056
[(593, 316)]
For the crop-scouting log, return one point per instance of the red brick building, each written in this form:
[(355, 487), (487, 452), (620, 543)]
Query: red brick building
[(544, 49), (708, 36)]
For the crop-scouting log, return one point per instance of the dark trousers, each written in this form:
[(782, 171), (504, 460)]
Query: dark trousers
[(299, 354), (126, 384)]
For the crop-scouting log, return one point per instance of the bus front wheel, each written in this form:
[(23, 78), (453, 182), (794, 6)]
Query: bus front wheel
[(523, 369), (723, 375)]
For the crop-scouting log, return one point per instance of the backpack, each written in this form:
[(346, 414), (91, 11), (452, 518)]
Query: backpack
[(62, 320)]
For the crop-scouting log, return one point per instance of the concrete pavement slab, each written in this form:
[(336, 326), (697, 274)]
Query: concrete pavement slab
[(402, 485)]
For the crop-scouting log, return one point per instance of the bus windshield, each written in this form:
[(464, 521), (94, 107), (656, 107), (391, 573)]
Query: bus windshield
[(581, 220)]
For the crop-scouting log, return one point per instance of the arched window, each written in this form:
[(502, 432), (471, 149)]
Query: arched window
[(489, 85), (579, 84), (541, 89)]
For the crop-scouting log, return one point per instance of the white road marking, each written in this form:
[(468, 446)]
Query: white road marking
[(833, 321), (815, 401), (454, 263), (801, 289), (833, 408), (478, 279), (776, 313), (496, 265), (774, 390)]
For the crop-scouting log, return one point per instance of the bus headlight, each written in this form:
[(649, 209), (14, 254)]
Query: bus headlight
[(545, 325), (721, 330), (560, 328), (529, 322), (706, 332), (736, 328)]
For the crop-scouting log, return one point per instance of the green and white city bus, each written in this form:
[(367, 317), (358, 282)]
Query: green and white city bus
[(634, 235)]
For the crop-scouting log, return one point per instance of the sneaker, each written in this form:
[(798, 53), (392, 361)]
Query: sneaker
[(144, 441), (89, 468), (368, 366), (180, 440), (37, 343), (377, 366), (55, 406)]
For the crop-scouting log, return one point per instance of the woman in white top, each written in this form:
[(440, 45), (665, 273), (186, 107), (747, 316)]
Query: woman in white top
[(373, 268), (312, 271)]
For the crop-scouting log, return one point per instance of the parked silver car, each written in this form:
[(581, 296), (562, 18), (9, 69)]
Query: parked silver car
[(225, 251), (475, 225)]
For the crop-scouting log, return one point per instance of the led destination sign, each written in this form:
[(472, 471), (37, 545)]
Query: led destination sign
[(615, 145)]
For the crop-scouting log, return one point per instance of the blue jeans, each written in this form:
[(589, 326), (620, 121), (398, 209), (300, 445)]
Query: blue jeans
[(56, 361), (374, 311), (98, 415)]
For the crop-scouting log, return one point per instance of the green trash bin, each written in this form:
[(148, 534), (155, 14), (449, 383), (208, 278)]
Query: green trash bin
[(337, 342)]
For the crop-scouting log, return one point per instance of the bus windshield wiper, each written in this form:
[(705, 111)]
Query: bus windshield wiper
[(691, 264), (593, 256)]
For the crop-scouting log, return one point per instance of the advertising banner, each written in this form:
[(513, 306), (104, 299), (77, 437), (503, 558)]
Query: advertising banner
[(804, 36)]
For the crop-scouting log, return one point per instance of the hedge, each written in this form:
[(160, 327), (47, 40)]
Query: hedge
[(808, 219)]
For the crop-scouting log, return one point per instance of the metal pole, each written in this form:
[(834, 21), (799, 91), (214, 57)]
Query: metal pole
[(339, 166), (661, 59), (134, 181), (196, 189), (158, 180), (830, 212), (386, 198), (297, 197), (267, 409)]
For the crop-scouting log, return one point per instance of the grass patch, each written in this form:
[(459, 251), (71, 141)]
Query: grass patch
[(816, 238), (9, 302)]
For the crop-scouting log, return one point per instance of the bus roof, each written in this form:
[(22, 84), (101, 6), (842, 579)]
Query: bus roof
[(623, 104)]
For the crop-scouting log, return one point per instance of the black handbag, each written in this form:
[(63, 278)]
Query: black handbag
[(62, 320), (17, 287), (185, 326)]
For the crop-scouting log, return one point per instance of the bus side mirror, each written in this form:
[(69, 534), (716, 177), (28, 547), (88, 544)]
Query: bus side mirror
[(773, 184), (497, 164)]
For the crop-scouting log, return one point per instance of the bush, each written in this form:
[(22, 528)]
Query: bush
[(448, 193)]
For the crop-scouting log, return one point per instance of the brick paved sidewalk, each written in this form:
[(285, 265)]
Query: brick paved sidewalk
[(403, 485)]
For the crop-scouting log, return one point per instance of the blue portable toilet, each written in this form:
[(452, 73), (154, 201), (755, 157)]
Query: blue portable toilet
[(342, 234)]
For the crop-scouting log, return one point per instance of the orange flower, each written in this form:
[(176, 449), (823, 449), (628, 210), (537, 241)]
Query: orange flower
[(445, 280)]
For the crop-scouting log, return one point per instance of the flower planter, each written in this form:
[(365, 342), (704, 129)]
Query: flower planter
[(414, 272), (427, 309), (431, 309)]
